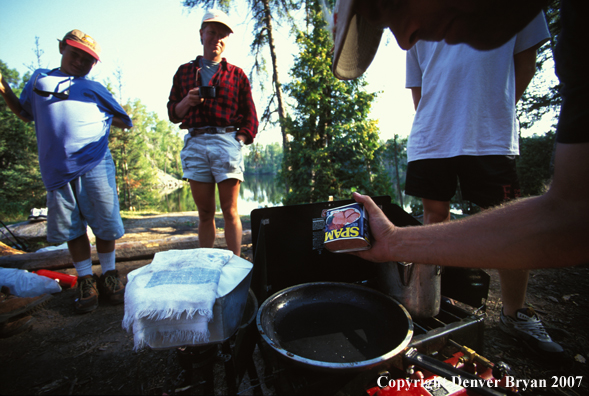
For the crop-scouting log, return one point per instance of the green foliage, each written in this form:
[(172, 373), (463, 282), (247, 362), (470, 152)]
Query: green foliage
[(542, 95), (263, 159), (534, 163), (207, 4), (166, 145), (393, 154), (332, 149), (21, 187), (138, 152)]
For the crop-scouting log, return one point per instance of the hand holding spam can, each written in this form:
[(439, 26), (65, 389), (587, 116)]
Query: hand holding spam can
[(346, 229)]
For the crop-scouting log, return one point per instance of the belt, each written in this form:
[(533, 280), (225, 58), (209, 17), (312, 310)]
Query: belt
[(211, 130)]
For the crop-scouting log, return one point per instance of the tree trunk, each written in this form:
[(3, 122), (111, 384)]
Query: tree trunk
[(275, 79), (397, 171), (277, 85)]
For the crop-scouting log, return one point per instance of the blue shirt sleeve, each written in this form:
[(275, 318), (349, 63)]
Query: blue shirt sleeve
[(108, 103), (26, 96)]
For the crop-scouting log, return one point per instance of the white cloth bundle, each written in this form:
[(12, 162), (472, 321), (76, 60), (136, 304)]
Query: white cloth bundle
[(172, 298)]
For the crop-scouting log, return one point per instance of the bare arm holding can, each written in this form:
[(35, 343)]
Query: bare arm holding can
[(538, 232)]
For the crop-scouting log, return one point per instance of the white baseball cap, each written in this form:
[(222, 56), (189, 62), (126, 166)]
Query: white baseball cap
[(356, 41), (216, 16)]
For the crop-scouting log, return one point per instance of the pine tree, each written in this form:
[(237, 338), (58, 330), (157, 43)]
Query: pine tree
[(21, 187), (136, 174), (332, 146), (263, 159), (542, 95)]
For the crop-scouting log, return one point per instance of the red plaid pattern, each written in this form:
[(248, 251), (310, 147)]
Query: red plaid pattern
[(233, 106)]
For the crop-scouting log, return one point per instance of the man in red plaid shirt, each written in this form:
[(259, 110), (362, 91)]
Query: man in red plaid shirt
[(213, 100)]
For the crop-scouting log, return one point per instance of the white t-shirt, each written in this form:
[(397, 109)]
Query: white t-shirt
[(467, 104)]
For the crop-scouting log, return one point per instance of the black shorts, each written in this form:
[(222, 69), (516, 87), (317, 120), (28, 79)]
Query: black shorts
[(484, 180)]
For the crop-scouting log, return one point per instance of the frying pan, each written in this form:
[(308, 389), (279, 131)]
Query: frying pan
[(343, 327), (333, 326)]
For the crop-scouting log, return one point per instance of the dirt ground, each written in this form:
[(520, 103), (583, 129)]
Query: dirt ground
[(66, 353)]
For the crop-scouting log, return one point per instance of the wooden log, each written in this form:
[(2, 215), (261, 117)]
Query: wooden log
[(6, 250), (29, 231), (125, 251)]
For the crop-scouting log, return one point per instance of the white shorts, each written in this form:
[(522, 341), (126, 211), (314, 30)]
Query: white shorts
[(212, 158)]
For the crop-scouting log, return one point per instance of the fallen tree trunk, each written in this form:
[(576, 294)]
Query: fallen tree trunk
[(125, 251), (6, 250)]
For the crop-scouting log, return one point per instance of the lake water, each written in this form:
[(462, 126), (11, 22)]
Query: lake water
[(257, 191)]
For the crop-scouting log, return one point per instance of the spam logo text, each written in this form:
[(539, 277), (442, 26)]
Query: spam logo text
[(346, 232)]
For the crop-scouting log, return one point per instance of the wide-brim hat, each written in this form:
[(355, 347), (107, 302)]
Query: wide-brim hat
[(217, 16), (356, 41), (81, 40)]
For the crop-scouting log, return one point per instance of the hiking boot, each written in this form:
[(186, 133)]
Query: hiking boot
[(528, 328), (86, 294), (16, 326), (11, 305), (112, 287)]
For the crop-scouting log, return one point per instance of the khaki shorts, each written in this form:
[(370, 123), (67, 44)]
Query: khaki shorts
[(212, 158)]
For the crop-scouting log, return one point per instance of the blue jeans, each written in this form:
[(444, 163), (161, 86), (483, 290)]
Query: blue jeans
[(92, 200)]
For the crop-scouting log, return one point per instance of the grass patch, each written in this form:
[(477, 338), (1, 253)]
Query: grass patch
[(13, 218)]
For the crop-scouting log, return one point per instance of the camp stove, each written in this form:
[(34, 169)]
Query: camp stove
[(462, 374), (288, 251), (452, 337)]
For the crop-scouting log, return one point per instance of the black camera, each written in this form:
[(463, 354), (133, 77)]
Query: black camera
[(207, 91)]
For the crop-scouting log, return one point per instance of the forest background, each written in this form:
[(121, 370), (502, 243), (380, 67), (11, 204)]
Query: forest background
[(330, 145)]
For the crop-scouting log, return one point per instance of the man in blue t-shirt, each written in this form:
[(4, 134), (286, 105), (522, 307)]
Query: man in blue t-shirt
[(73, 116)]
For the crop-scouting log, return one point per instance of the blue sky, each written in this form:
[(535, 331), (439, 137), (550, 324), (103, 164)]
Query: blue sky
[(148, 40)]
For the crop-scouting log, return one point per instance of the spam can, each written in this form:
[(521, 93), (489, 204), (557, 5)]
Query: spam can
[(346, 229)]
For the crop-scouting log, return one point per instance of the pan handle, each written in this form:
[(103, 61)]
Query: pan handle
[(413, 357)]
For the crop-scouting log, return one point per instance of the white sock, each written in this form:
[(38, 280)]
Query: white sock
[(84, 267), (107, 261)]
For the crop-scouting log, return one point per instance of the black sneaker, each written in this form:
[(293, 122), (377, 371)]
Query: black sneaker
[(528, 327), (112, 287), (86, 294)]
